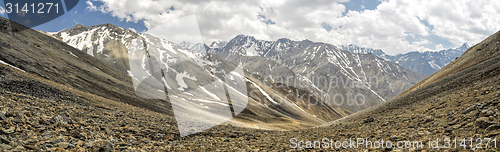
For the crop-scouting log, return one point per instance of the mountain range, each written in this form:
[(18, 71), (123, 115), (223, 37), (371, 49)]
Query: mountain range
[(326, 70), (426, 63), (353, 80), (193, 78), (338, 78)]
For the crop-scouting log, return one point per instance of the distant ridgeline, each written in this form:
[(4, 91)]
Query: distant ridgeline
[(421, 62)]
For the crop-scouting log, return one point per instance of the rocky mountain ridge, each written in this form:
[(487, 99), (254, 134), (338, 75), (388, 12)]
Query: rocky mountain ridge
[(421, 62), (307, 62)]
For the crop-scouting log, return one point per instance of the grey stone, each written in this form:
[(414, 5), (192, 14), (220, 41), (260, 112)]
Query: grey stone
[(3, 117), (19, 147), (102, 146), (61, 119), (5, 146), (63, 145), (367, 120), (469, 109), (5, 26), (4, 140), (9, 131)]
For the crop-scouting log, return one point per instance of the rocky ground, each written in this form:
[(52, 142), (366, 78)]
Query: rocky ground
[(33, 124)]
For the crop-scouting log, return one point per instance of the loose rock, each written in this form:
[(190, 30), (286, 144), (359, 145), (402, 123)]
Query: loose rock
[(368, 120), (484, 122), (5, 146), (102, 146)]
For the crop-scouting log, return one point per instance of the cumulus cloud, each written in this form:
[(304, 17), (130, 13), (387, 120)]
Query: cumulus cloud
[(90, 6), (385, 27), (439, 47), (2, 11)]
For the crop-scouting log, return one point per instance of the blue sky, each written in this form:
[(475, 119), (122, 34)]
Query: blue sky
[(395, 26), (360, 5), (81, 15)]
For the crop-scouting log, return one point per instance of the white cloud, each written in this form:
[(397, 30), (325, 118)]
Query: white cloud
[(90, 6), (439, 47), (385, 27), (2, 11), (184, 29)]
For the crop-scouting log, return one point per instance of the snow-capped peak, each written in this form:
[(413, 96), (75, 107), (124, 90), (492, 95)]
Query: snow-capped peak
[(218, 44)]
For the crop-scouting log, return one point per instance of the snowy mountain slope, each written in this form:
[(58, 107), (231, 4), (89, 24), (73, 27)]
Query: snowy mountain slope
[(218, 44), (336, 75), (428, 62), (104, 42), (420, 62)]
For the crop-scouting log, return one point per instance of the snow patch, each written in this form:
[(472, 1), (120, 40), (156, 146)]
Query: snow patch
[(72, 54), (434, 65), (208, 101), (90, 51), (2, 62), (210, 93), (188, 93), (179, 78), (264, 93)]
